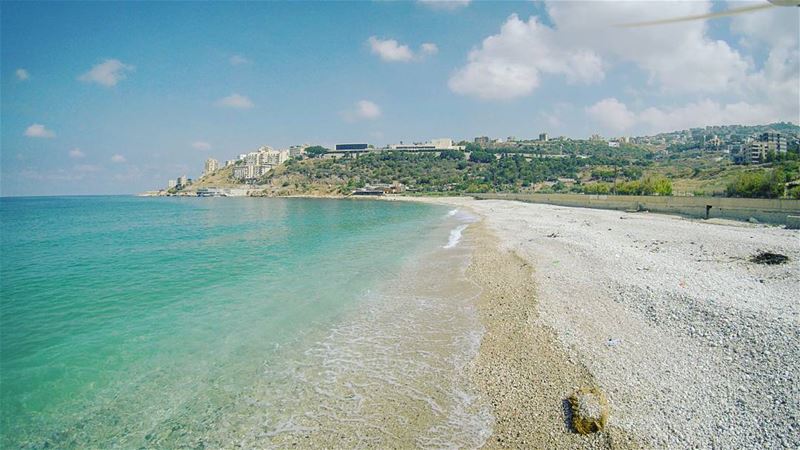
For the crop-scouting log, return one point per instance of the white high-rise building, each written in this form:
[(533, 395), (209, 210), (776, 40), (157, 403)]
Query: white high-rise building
[(442, 143), (211, 166), (260, 162)]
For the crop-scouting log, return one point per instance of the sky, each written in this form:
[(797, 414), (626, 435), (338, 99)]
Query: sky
[(115, 98)]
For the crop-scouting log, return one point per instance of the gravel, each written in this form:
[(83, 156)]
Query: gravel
[(695, 345)]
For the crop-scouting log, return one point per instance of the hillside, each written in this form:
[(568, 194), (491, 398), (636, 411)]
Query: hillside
[(222, 178), (689, 174), (634, 172)]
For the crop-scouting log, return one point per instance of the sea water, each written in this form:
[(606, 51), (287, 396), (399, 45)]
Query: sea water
[(183, 322)]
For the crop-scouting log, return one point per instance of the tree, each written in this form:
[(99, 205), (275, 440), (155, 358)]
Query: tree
[(481, 157), (455, 155), (316, 151), (472, 147)]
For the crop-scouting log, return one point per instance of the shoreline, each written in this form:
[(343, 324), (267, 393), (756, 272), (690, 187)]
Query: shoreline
[(693, 343), (521, 368)]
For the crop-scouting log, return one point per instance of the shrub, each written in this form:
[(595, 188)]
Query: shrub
[(648, 185), (596, 188), (760, 184)]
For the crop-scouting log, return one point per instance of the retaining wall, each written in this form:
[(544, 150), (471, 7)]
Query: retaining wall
[(774, 211)]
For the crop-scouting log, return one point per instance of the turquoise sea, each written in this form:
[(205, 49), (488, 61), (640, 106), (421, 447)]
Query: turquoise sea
[(132, 322)]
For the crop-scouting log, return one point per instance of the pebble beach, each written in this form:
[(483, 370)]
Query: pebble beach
[(694, 343)]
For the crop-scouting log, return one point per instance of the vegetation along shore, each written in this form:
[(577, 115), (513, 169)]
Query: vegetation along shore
[(689, 166)]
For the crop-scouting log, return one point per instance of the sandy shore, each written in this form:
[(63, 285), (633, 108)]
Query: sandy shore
[(695, 345)]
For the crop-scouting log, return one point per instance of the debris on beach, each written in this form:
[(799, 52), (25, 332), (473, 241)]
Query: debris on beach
[(769, 258), (589, 410)]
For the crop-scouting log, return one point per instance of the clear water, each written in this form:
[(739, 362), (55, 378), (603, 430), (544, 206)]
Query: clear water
[(129, 322)]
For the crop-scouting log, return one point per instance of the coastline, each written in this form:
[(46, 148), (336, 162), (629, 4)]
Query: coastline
[(692, 342), (521, 368)]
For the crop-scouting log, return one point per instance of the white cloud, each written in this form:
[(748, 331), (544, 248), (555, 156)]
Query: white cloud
[(775, 26), (365, 109), (39, 131), (362, 110), (200, 145), (583, 44), (707, 112), (118, 159), (390, 50), (235, 101), (448, 5), (679, 57), (614, 116), (238, 60), (108, 73), (509, 64), (429, 48), (76, 153), (611, 114), (22, 74)]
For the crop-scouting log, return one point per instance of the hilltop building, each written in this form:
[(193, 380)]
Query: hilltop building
[(297, 150), (256, 164), (351, 147), (766, 143), (757, 152), (776, 141), (350, 150), (714, 143), (182, 181), (211, 166), (483, 141), (433, 145), (171, 184), (543, 137)]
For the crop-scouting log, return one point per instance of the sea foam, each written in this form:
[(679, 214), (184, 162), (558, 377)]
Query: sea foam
[(455, 236)]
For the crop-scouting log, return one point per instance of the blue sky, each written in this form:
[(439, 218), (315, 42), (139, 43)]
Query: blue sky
[(119, 97)]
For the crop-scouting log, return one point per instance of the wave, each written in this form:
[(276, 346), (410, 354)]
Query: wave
[(455, 236), (452, 212)]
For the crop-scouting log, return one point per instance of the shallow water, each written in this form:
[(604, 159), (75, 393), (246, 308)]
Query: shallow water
[(132, 322)]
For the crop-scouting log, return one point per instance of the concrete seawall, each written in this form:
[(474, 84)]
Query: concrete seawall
[(774, 211)]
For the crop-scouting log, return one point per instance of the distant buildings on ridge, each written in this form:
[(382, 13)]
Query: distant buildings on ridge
[(744, 144), (212, 165), (254, 165)]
